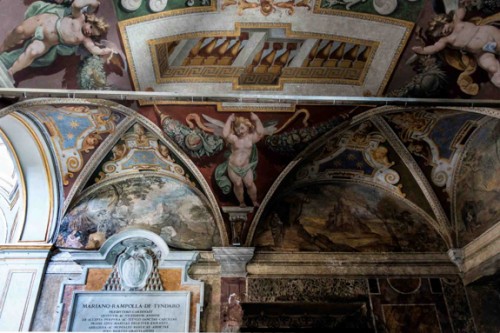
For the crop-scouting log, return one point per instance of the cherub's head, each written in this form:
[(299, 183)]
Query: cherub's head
[(440, 26), (94, 26), (266, 7), (242, 126)]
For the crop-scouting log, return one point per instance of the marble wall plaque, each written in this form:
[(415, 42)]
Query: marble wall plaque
[(113, 311)]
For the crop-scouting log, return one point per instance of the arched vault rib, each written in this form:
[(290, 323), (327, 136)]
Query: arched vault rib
[(109, 142), (96, 159), (389, 109), (455, 181), (131, 117), (441, 224), (288, 169)]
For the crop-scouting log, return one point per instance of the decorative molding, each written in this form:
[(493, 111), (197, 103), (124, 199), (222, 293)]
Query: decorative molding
[(94, 162), (457, 257), (111, 251), (387, 109), (233, 261), (342, 264), (456, 173), (149, 125), (242, 80), (482, 255), (443, 224), (238, 217), (315, 145)]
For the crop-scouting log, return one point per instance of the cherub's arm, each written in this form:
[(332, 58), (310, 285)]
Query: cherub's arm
[(431, 49), (259, 128), (94, 49), (78, 5), (227, 130)]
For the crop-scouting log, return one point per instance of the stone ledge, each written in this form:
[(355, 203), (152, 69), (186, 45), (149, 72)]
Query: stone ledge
[(267, 263), (482, 255)]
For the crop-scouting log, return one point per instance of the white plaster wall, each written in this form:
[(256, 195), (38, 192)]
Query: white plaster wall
[(26, 246)]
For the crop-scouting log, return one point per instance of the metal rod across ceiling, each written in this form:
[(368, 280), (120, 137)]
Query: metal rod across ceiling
[(27, 93)]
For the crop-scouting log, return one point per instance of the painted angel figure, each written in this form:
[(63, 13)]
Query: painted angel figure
[(241, 134), (481, 41), (50, 30), (239, 170)]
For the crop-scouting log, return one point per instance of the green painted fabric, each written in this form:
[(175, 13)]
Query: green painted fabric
[(223, 180)]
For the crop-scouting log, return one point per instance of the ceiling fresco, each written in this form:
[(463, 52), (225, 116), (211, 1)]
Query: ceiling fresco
[(75, 132), (415, 179), (358, 217), (476, 196), (173, 209), (300, 47), (324, 178)]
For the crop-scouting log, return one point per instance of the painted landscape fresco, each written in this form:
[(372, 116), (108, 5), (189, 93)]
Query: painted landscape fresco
[(478, 185), (163, 205), (345, 217)]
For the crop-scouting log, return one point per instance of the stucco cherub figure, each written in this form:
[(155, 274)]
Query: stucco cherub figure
[(480, 41), (241, 134), (50, 30)]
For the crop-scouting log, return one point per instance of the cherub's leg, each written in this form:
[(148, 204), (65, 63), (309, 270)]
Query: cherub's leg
[(36, 49), (251, 188), (490, 63), (17, 36), (237, 186)]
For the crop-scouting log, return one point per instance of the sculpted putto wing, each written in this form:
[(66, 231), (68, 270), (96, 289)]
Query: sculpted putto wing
[(214, 124)]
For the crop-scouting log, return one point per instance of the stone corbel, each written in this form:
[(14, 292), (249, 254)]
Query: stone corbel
[(238, 216), (457, 257)]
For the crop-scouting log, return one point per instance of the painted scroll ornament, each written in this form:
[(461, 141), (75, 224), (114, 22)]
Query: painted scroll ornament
[(131, 5)]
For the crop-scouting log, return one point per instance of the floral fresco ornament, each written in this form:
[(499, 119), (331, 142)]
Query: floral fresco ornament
[(266, 7), (193, 141)]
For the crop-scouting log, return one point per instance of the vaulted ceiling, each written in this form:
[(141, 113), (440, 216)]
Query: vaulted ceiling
[(337, 178), (346, 178)]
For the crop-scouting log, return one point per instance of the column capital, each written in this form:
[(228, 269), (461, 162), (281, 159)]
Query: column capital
[(233, 260)]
